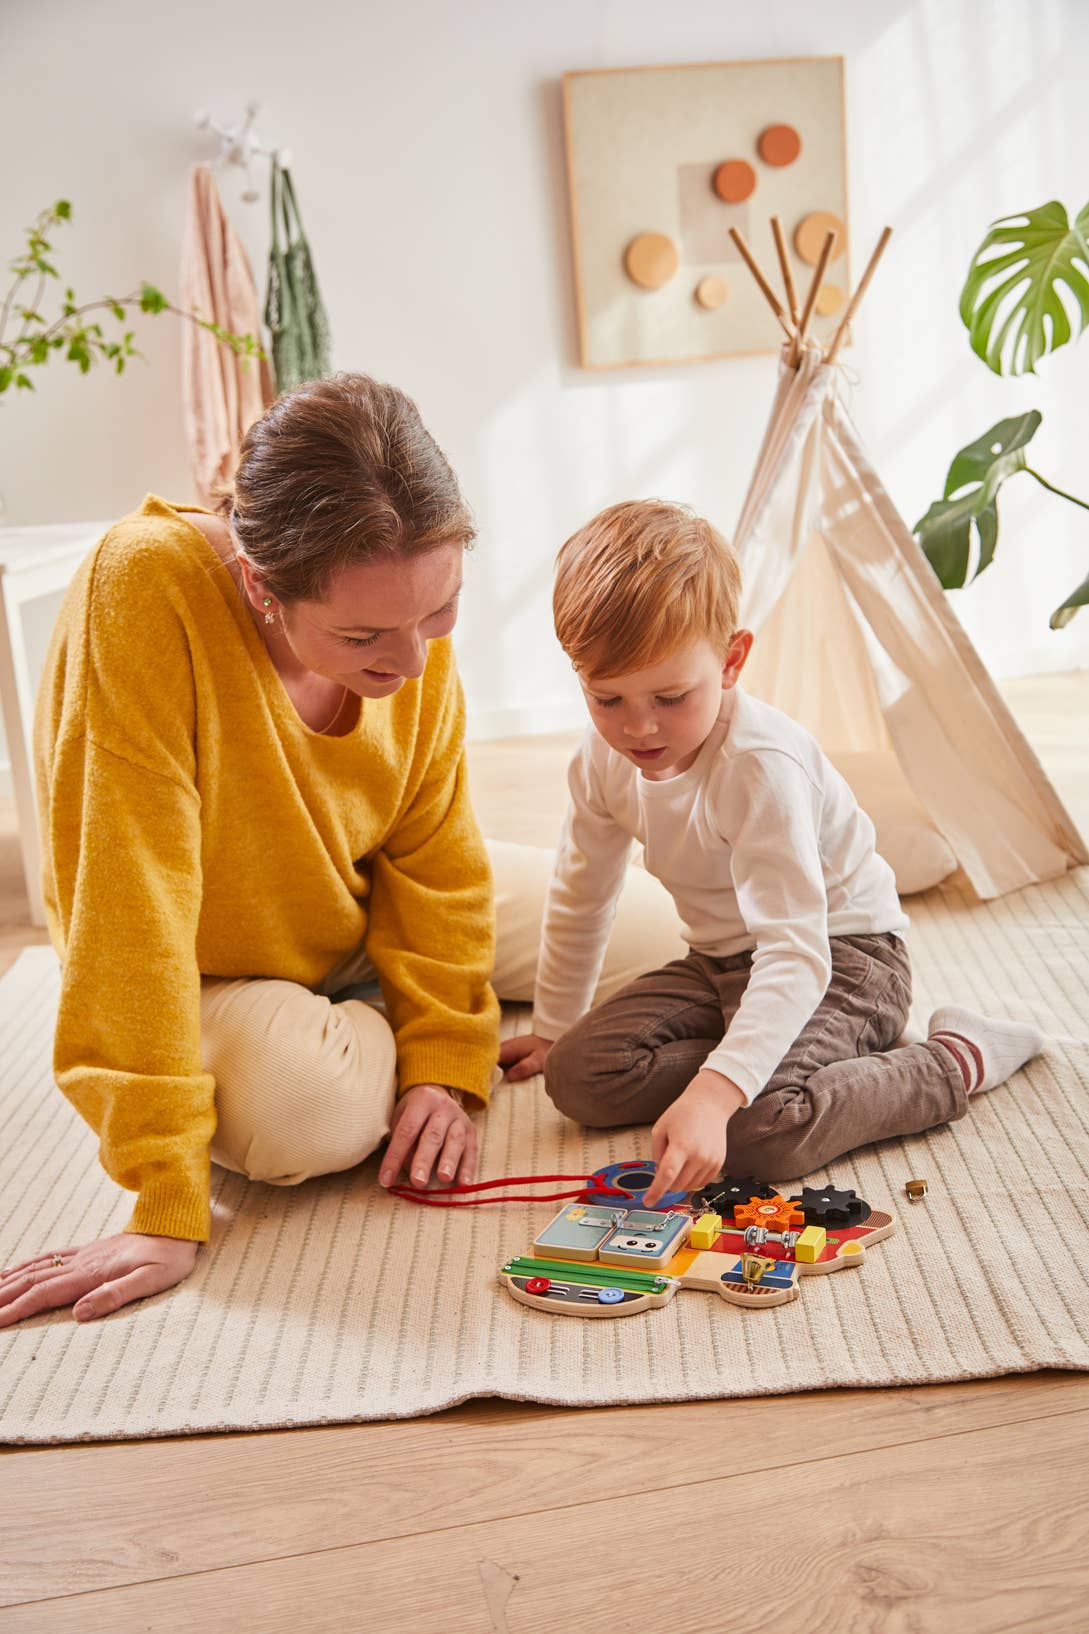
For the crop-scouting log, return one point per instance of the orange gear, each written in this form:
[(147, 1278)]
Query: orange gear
[(775, 1213)]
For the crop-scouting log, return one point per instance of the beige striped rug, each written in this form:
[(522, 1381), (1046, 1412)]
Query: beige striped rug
[(334, 1302)]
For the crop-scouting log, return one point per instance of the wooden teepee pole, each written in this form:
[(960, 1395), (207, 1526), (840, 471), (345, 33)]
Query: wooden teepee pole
[(788, 283), (784, 267), (852, 305), (814, 288), (765, 288)]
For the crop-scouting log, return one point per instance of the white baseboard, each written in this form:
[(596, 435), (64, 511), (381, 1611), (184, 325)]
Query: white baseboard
[(525, 720), (1018, 663)]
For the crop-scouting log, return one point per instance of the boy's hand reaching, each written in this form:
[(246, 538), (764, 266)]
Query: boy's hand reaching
[(688, 1143), (525, 1056)]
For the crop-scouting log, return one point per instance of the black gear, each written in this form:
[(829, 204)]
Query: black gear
[(721, 1195), (824, 1206)]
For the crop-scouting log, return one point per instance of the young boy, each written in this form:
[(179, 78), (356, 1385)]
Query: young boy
[(771, 1046)]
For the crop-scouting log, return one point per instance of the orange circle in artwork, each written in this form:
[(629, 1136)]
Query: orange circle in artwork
[(711, 292), (810, 234), (779, 145), (829, 299), (651, 260), (734, 181)]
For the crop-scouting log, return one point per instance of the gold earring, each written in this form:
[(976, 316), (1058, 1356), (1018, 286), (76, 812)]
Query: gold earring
[(270, 618)]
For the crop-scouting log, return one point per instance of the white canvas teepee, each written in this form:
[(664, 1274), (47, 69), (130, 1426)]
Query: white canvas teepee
[(855, 639)]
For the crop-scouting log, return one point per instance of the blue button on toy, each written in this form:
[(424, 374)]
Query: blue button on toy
[(610, 1296)]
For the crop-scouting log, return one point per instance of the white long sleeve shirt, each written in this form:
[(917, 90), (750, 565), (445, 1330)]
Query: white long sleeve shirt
[(761, 845)]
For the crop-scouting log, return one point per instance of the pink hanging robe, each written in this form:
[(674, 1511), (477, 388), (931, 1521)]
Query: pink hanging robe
[(223, 394)]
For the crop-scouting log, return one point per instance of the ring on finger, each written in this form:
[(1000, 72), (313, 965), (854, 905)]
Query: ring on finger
[(58, 1259)]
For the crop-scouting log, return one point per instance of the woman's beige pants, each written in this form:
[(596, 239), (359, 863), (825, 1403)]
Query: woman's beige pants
[(305, 1086)]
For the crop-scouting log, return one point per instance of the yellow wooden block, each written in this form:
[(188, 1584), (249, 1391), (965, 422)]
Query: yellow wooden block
[(706, 1231), (810, 1245)]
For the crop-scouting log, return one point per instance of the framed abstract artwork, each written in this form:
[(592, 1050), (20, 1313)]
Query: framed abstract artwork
[(661, 163)]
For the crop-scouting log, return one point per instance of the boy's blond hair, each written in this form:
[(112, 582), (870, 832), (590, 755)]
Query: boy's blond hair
[(640, 580)]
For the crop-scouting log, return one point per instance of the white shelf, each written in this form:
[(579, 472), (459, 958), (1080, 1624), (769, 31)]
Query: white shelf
[(34, 561)]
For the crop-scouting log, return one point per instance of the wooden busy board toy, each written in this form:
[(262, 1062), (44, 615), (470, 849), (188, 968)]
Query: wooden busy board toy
[(738, 1238)]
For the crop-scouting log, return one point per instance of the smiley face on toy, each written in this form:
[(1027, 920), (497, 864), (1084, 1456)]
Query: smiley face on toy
[(636, 1245)]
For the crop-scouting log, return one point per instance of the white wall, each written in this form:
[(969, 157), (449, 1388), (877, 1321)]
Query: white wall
[(428, 155)]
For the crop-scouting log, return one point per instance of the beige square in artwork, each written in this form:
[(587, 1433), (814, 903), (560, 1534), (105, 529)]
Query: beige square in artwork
[(705, 221), (643, 145)]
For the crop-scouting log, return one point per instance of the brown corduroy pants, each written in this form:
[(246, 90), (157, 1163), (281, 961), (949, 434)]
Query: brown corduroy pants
[(840, 1085)]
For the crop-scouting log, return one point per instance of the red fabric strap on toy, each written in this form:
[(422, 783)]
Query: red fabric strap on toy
[(590, 1190)]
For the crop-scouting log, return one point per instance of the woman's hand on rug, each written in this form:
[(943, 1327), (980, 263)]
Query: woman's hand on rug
[(95, 1279), (525, 1056), (688, 1143), (429, 1129)]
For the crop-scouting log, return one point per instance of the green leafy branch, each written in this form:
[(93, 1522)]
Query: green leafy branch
[(967, 514), (1027, 281), (28, 339)]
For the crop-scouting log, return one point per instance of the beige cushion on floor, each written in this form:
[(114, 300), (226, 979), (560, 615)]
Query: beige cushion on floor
[(918, 854)]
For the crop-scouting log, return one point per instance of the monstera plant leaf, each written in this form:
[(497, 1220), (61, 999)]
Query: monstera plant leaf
[(971, 497), (1011, 302), (1076, 599)]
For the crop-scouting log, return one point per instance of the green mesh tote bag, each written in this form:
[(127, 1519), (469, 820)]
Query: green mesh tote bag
[(294, 314)]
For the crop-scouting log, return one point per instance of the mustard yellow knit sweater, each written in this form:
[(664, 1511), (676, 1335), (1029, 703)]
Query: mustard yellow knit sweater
[(192, 824)]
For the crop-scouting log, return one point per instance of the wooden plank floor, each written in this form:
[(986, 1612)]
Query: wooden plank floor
[(899, 1511)]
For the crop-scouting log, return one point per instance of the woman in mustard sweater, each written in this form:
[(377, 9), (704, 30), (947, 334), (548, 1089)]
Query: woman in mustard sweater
[(252, 785)]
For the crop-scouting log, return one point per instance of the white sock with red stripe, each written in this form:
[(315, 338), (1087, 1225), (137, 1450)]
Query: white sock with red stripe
[(987, 1052)]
